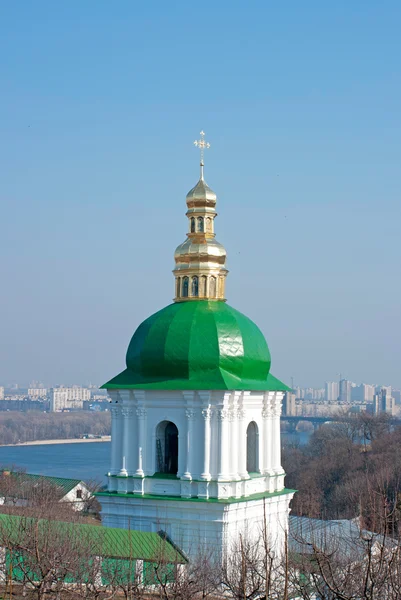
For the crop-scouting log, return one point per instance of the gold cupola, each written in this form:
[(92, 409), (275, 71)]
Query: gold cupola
[(200, 272)]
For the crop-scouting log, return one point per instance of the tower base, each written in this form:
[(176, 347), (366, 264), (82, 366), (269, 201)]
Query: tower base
[(197, 525)]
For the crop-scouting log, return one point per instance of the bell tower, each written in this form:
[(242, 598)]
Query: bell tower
[(195, 446)]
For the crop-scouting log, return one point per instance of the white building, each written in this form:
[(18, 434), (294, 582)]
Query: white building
[(331, 391), (35, 393), (383, 401), (1, 393), (196, 413), (19, 489), (68, 398), (344, 392)]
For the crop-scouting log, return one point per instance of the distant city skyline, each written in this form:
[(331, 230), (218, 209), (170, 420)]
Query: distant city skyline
[(98, 114)]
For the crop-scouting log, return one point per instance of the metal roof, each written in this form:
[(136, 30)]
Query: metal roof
[(104, 541), (65, 485), (343, 536)]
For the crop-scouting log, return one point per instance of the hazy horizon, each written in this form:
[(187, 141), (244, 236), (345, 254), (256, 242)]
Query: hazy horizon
[(99, 108)]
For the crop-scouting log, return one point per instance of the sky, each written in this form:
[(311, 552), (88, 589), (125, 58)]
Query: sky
[(100, 103)]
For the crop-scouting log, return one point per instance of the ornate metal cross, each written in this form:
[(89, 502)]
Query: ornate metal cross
[(201, 144)]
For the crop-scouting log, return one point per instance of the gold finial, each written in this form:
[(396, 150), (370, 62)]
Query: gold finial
[(201, 144)]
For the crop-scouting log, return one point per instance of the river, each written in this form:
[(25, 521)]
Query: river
[(79, 461)]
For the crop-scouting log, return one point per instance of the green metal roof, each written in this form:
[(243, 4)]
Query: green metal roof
[(199, 345), (104, 541), (65, 485)]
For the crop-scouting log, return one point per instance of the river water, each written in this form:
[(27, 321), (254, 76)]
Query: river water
[(79, 461), (87, 460)]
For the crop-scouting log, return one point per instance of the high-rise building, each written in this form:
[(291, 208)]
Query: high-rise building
[(1, 393), (397, 396), (344, 393), (198, 406), (331, 391), (68, 398), (362, 393), (383, 401), (289, 406)]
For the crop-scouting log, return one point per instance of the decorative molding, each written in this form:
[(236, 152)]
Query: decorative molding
[(267, 412), (241, 414), (233, 414), (190, 414), (127, 412), (276, 409), (141, 413), (207, 414), (115, 411), (223, 414)]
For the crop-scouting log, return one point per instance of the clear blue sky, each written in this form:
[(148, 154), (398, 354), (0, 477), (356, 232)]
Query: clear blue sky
[(99, 105)]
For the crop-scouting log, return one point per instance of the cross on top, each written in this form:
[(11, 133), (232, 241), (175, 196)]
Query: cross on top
[(201, 144)]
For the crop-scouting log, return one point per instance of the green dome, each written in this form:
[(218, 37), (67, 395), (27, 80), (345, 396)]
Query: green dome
[(197, 345)]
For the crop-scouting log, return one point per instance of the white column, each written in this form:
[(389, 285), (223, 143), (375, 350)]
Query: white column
[(276, 434), (267, 434), (190, 415), (141, 415), (116, 439), (223, 455), (206, 414), (234, 444), (243, 473), (128, 457)]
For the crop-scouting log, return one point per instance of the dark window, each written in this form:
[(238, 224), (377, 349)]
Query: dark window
[(252, 451), (79, 494), (194, 286), (167, 448), (185, 287)]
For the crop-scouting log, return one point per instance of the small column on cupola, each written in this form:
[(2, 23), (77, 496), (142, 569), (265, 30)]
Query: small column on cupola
[(200, 271)]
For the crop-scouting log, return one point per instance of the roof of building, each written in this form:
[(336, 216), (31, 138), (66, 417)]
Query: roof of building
[(343, 536), (104, 541), (24, 479), (197, 345)]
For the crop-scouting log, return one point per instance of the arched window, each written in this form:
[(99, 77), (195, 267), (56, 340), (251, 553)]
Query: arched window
[(212, 287), (252, 448), (194, 289), (202, 286), (185, 284), (167, 448), (193, 225), (200, 225), (177, 287), (209, 225), (221, 287)]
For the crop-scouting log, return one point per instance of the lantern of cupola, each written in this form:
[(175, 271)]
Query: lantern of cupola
[(200, 270)]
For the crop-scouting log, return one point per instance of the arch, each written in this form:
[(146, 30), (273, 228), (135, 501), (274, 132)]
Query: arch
[(185, 284), (201, 225), (177, 287), (212, 287), (209, 228), (202, 286), (193, 225), (167, 448), (252, 448), (195, 286)]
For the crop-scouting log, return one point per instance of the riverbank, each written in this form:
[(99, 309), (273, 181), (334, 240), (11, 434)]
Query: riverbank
[(104, 438)]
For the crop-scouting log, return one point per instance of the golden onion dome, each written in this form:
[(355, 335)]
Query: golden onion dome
[(195, 250), (201, 194)]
